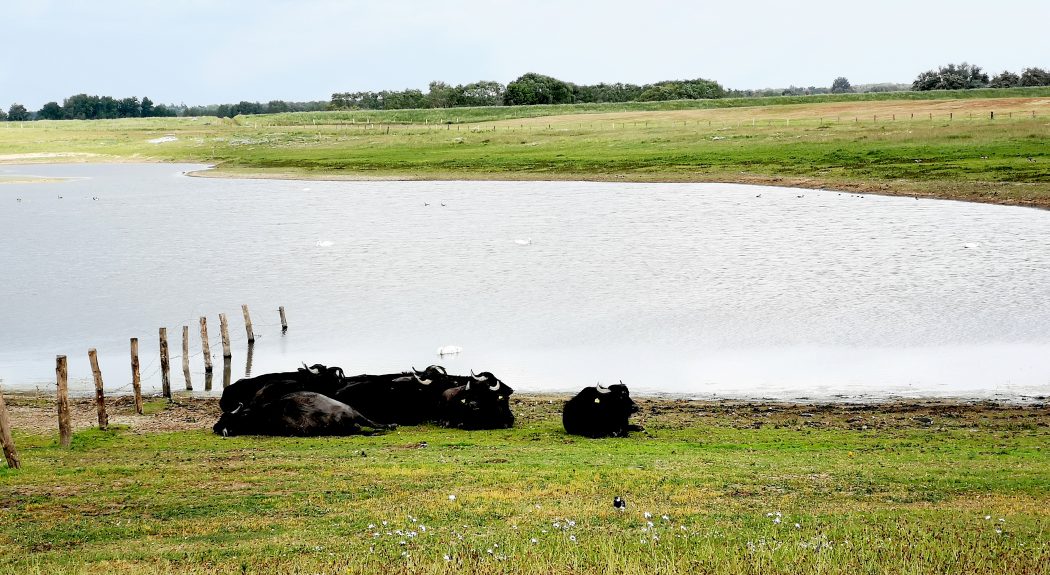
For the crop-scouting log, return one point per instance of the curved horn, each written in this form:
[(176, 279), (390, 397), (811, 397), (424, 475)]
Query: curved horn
[(240, 406), (478, 377), (602, 389), (467, 387), (495, 386), (419, 379)]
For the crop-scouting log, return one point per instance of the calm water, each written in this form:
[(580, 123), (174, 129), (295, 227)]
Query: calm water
[(698, 289)]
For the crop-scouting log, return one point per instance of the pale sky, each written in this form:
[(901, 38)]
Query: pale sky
[(212, 51)]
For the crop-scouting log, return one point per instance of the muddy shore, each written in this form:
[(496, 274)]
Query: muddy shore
[(37, 415)]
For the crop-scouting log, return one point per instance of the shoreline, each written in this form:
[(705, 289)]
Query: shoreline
[(991, 195), (36, 415)]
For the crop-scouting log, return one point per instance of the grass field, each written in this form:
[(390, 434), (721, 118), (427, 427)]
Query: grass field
[(930, 144), (730, 487)]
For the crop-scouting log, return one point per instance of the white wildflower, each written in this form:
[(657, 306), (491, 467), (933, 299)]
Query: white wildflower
[(452, 497)]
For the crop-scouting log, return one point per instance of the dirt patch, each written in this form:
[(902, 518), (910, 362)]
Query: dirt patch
[(38, 415)]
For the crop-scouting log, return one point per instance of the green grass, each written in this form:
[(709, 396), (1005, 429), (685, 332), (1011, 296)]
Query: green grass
[(495, 113), (903, 143), (895, 498)]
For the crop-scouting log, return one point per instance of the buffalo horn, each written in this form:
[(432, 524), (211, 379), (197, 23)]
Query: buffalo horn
[(478, 377), (240, 406), (467, 387), (495, 386), (602, 389)]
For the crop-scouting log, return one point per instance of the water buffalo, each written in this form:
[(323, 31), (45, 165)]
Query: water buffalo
[(317, 378), (600, 412), (481, 403), (300, 413), (408, 398)]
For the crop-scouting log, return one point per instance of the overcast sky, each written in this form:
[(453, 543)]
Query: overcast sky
[(214, 51)]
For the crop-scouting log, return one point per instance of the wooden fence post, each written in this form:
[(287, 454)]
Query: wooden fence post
[(248, 360), (65, 424), (205, 346), (224, 329), (136, 377), (248, 323), (100, 395), (186, 357), (10, 453), (226, 368), (165, 367), (284, 320)]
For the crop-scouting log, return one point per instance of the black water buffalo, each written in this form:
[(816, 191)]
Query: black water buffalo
[(408, 398), (600, 412), (300, 413), (317, 378), (481, 403)]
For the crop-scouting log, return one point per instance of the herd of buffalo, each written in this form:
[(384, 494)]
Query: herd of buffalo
[(320, 400)]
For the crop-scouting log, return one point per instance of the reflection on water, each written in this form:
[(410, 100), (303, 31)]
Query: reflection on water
[(682, 288)]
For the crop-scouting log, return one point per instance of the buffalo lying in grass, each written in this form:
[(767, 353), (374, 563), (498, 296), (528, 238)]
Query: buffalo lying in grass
[(600, 412)]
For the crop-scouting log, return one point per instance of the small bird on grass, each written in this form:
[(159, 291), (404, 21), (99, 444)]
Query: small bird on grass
[(619, 503)]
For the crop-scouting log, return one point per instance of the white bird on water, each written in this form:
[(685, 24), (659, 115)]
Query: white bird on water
[(524, 242), (325, 243), (971, 245)]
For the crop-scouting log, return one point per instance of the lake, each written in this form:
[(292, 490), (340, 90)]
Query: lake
[(694, 289)]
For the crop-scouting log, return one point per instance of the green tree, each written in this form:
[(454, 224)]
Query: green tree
[(535, 88), (146, 107), (1034, 77), (51, 111), (841, 86), (951, 77), (441, 95), (3, 115), (277, 107), (18, 113), (129, 108), (80, 107), (483, 93)]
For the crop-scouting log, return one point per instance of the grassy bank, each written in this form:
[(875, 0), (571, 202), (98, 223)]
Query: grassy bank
[(745, 488), (947, 148)]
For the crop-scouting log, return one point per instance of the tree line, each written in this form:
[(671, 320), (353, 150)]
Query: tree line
[(529, 89), (85, 107), (968, 76)]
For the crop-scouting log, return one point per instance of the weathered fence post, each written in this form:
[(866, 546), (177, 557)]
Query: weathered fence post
[(207, 380), (136, 377), (186, 357), (165, 367), (284, 320), (248, 323), (224, 329), (991, 115), (65, 424), (205, 347), (248, 360), (100, 395), (10, 453), (227, 366)]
